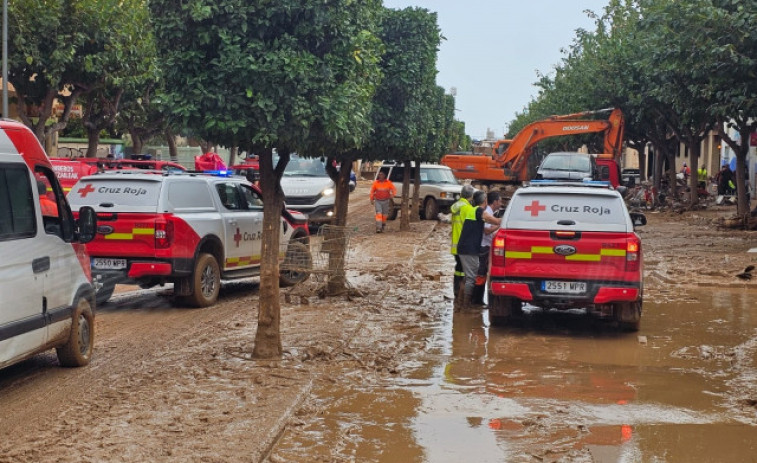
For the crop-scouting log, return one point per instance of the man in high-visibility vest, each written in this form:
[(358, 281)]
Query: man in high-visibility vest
[(382, 192), (457, 226), (473, 216)]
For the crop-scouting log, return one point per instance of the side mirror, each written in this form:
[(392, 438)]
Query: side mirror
[(87, 224), (638, 219)]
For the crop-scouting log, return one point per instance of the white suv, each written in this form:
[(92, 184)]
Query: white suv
[(309, 189), (439, 188)]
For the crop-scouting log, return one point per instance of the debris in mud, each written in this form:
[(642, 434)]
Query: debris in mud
[(704, 352)]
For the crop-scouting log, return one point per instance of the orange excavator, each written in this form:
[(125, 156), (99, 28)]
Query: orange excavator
[(508, 162)]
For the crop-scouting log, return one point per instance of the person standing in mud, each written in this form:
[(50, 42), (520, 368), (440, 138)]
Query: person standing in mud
[(473, 217), (493, 203), (382, 192), (466, 194)]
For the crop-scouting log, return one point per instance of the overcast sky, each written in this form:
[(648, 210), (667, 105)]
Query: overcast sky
[(493, 49)]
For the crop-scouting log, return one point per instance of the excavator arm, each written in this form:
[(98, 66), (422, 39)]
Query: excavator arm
[(513, 158)]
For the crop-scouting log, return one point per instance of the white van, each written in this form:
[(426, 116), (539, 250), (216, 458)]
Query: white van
[(46, 293)]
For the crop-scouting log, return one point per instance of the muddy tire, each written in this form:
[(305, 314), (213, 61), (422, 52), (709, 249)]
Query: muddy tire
[(297, 264), (77, 351), (393, 213), (503, 309), (628, 315), (206, 282), (430, 209), (104, 293)]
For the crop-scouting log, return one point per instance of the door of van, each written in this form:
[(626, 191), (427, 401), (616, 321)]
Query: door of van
[(23, 266)]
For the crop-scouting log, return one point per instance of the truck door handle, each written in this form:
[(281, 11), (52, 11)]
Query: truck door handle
[(232, 221), (41, 264)]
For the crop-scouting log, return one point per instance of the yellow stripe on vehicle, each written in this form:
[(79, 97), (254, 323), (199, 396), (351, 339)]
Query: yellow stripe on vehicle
[(542, 250), (143, 231), (130, 236), (613, 252), (585, 257), (119, 236), (517, 255)]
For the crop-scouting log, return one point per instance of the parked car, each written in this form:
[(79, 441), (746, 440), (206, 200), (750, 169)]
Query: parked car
[(439, 188), (309, 189), (47, 299), (564, 245), (191, 230)]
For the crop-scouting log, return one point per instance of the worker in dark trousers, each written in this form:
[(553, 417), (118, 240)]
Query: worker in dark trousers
[(473, 216), (457, 226), (493, 203)]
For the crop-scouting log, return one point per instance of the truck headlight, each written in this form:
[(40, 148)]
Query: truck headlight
[(327, 192)]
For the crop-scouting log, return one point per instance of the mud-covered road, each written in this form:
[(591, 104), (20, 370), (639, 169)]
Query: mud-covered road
[(397, 375)]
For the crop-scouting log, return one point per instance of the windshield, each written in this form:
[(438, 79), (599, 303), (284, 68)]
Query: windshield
[(437, 176), (299, 167), (567, 162)]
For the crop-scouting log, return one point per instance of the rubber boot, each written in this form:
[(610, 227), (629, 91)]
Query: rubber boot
[(457, 280), (460, 299), (478, 295)]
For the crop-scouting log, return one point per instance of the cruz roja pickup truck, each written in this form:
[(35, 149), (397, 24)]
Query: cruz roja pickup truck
[(191, 230), (565, 245)]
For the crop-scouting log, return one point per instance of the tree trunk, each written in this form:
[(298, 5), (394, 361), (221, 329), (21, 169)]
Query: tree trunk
[(268, 334), (93, 139), (742, 206), (171, 142), (233, 155), (337, 237), (740, 148), (415, 214), (136, 142), (404, 217)]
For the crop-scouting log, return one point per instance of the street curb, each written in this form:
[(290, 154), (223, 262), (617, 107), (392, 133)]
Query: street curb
[(271, 438)]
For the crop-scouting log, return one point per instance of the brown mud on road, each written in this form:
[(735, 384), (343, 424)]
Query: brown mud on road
[(396, 375)]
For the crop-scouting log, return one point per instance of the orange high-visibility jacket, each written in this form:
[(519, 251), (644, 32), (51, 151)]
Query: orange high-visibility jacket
[(382, 190)]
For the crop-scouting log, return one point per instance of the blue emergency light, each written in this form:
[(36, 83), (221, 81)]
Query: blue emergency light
[(218, 173)]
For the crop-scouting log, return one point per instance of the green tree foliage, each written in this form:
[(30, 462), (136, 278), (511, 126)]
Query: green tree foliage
[(404, 100), (64, 49), (289, 74)]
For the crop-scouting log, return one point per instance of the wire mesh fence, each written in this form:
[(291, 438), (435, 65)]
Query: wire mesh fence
[(326, 256)]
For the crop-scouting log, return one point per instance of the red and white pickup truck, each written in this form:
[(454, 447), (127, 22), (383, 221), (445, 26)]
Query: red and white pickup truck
[(191, 230), (567, 245)]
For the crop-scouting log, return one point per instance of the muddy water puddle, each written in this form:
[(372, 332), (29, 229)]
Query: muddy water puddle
[(557, 387)]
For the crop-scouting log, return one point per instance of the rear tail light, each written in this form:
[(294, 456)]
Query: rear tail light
[(163, 234), (498, 250), (633, 255)]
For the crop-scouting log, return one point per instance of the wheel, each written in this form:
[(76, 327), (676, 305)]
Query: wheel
[(502, 309), (628, 315), (430, 209), (78, 349), (104, 293), (393, 213), (296, 265), (206, 281)]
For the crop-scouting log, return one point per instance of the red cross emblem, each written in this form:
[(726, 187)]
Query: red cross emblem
[(535, 208), (237, 237), (83, 192)]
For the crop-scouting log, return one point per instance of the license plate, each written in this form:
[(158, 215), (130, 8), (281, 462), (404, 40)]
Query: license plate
[(563, 287), (102, 263)]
